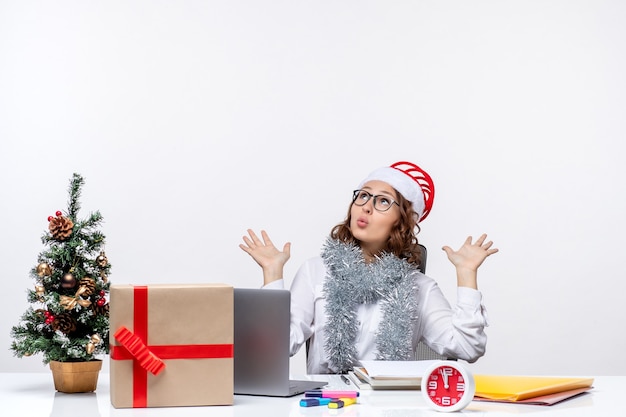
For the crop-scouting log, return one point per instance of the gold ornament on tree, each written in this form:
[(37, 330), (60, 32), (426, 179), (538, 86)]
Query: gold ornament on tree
[(93, 342), (60, 227), (102, 260), (40, 290), (44, 270)]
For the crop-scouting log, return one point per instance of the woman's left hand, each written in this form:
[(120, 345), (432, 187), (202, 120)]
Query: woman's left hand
[(471, 255)]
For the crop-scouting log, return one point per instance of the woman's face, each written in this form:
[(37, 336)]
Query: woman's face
[(370, 226)]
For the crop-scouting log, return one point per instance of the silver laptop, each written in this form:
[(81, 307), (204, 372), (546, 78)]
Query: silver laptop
[(262, 344)]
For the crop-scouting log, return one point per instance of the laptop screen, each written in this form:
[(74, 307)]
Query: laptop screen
[(261, 336)]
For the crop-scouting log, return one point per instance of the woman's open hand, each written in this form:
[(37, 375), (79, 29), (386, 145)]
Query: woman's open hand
[(468, 258), (269, 258)]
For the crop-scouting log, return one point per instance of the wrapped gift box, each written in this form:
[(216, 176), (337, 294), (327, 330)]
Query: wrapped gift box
[(171, 345)]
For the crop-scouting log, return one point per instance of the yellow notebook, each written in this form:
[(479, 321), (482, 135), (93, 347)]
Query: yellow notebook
[(516, 388)]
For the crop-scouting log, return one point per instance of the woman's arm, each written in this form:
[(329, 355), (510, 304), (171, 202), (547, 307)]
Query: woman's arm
[(456, 331)]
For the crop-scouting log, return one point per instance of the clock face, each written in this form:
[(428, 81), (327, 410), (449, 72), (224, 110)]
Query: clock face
[(448, 387)]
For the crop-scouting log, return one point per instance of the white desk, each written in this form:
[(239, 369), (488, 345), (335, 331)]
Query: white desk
[(33, 394)]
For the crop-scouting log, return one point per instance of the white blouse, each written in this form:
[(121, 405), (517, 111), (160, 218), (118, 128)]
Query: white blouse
[(454, 332)]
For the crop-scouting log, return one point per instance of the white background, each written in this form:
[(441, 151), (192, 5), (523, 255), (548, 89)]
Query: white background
[(192, 121)]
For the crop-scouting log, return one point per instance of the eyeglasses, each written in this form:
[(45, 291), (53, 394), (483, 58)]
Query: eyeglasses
[(382, 203)]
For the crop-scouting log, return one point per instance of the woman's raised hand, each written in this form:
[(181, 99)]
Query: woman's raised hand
[(269, 258), (468, 258), (471, 255)]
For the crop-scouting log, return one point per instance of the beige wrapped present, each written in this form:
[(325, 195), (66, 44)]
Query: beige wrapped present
[(171, 345)]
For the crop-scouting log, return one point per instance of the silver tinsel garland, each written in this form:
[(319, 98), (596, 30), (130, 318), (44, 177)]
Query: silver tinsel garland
[(389, 281)]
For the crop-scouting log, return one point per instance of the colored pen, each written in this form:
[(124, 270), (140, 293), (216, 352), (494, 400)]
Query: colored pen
[(314, 402), (341, 402), (345, 379), (323, 393)]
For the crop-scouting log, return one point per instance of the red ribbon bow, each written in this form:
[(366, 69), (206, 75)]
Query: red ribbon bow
[(147, 360)]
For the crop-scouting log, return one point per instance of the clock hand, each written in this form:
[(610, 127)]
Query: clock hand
[(444, 374)]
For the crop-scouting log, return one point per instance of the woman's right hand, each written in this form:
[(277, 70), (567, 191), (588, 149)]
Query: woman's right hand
[(270, 259)]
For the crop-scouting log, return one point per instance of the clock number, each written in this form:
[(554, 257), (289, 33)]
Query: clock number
[(432, 385), (446, 401), (460, 386)]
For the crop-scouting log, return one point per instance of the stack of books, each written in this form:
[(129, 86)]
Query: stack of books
[(405, 375)]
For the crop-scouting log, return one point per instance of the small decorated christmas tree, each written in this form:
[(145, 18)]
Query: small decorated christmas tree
[(69, 321)]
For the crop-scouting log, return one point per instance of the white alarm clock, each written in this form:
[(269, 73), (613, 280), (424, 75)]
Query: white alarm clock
[(447, 386)]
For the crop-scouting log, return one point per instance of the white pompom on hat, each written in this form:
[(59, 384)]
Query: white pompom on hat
[(409, 180)]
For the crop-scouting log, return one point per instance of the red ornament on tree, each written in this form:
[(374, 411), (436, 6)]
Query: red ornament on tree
[(49, 317), (58, 213)]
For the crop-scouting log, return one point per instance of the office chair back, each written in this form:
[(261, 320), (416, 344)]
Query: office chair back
[(422, 351), (422, 267)]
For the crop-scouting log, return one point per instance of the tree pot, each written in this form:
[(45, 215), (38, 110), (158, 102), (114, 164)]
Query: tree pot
[(75, 376)]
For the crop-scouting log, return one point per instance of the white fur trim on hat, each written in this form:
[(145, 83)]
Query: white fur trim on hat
[(402, 182)]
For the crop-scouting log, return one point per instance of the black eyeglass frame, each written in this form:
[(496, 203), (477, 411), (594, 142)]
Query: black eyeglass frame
[(374, 199)]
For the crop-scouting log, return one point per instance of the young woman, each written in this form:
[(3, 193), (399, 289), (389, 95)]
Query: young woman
[(364, 297)]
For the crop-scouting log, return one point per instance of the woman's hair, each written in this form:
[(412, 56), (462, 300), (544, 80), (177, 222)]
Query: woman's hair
[(402, 240)]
